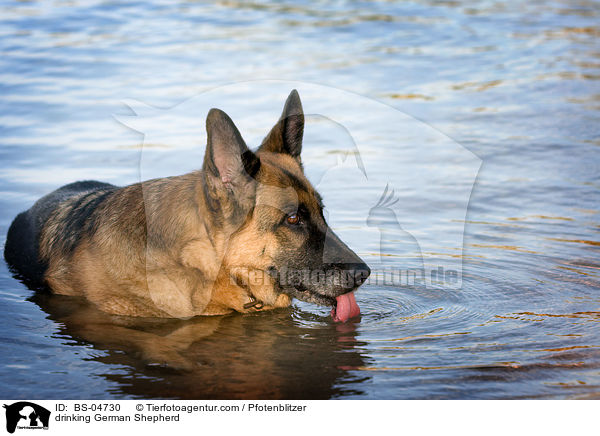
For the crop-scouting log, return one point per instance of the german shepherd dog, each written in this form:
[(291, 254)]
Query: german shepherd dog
[(245, 233)]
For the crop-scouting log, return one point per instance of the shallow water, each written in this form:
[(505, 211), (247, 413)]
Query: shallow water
[(483, 118)]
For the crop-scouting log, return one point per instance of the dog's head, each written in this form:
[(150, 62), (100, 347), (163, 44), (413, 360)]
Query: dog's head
[(272, 215)]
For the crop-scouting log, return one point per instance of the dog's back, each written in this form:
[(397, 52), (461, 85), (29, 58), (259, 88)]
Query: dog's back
[(22, 242)]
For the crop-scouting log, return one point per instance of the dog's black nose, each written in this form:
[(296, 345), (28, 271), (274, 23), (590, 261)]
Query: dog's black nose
[(361, 274), (352, 275)]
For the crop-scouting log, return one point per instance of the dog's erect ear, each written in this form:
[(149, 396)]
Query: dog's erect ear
[(286, 135), (227, 156)]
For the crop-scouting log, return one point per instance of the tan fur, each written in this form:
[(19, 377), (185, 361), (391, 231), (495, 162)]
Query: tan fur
[(197, 244), (183, 275)]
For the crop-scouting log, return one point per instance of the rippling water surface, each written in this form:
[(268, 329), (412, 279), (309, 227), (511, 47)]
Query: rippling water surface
[(496, 169)]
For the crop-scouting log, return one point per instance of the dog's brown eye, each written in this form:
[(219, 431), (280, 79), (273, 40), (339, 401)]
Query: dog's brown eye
[(293, 219)]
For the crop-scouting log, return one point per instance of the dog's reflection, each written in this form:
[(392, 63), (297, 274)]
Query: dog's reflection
[(282, 354)]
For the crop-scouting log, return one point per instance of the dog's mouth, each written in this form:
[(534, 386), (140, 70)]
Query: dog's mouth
[(344, 306), (309, 296)]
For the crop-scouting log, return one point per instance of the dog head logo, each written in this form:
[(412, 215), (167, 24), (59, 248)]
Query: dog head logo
[(26, 415)]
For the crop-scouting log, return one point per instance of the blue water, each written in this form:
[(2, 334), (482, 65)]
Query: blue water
[(482, 117)]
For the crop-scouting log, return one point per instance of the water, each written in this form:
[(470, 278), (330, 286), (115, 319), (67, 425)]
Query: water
[(501, 105)]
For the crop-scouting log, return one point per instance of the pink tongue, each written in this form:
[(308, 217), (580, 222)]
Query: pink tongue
[(346, 308)]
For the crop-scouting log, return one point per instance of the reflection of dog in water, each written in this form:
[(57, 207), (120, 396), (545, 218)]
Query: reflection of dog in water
[(393, 239), (25, 414), (254, 356)]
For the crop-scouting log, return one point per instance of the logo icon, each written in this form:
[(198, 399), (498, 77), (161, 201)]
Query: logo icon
[(26, 415)]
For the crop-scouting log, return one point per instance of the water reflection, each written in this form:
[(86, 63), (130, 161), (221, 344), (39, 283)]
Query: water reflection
[(260, 356)]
